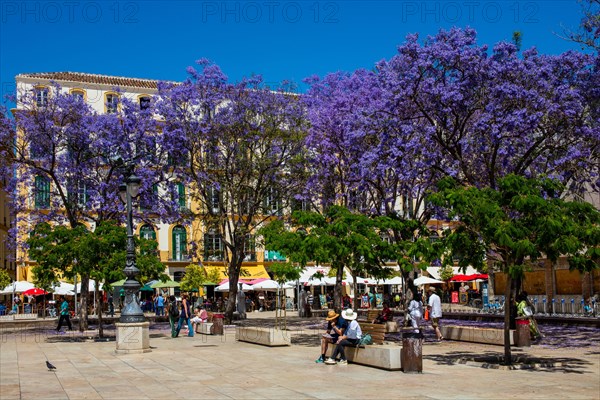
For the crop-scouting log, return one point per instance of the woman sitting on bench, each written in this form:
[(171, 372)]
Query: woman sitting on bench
[(200, 317), (385, 315)]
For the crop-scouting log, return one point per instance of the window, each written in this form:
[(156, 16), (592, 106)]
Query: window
[(147, 232), (272, 202), (179, 243), (82, 195), (78, 95), (112, 100), (144, 102), (301, 205), (41, 97), (213, 246), (42, 192), (250, 248), (181, 195), (213, 199)]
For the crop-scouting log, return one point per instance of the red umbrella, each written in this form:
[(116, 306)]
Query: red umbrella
[(35, 292)]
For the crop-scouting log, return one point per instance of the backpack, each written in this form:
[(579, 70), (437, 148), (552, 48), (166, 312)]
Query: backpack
[(173, 310)]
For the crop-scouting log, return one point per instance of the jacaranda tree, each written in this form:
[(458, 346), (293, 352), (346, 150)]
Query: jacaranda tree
[(240, 148), (67, 163)]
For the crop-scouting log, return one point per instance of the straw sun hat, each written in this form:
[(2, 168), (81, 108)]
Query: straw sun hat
[(331, 315)]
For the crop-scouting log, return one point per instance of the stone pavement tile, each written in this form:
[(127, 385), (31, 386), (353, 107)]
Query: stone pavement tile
[(10, 391)]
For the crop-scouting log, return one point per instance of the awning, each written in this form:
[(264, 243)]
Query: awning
[(468, 278), (248, 273), (435, 274)]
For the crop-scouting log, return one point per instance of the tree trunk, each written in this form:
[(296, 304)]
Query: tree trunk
[(337, 294), (507, 307), (355, 291), (234, 277), (491, 284), (83, 312), (99, 311)]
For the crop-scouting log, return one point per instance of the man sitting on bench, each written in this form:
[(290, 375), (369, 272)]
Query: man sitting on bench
[(335, 328)]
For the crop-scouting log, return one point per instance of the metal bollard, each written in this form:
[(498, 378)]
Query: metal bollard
[(545, 309), (535, 305), (582, 306), (553, 306), (562, 306), (572, 306)]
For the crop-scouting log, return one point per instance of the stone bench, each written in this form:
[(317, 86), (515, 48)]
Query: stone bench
[(25, 316), (475, 334), (265, 336), (386, 356), (205, 328)]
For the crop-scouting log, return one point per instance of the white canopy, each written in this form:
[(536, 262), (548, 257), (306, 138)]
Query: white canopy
[(397, 280), (425, 280), (17, 287), (63, 288), (270, 284), (91, 286), (225, 287)]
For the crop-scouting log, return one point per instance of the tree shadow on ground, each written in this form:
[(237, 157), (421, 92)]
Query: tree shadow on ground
[(495, 360), (306, 339)]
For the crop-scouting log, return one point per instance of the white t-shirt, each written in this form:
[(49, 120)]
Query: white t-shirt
[(436, 306)]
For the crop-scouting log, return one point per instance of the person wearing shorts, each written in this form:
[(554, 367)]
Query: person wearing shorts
[(435, 311)]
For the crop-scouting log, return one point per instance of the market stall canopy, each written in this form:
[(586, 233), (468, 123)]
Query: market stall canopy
[(247, 273), (270, 284), (434, 272), (118, 283), (397, 280), (469, 278), (91, 286), (17, 287), (225, 287), (167, 284), (63, 288), (34, 292), (425, 280)]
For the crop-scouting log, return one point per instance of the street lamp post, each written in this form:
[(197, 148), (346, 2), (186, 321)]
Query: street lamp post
[(131, 312)]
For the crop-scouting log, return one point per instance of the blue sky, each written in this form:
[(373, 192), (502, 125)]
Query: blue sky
[(276, 38)]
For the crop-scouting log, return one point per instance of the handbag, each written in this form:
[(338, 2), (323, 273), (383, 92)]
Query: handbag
[(366, 339), (426, 317)]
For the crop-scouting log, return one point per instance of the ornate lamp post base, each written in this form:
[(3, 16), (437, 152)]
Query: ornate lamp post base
[(133, 338)]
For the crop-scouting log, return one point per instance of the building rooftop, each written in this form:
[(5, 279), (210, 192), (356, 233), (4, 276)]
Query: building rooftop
[(119, 81)]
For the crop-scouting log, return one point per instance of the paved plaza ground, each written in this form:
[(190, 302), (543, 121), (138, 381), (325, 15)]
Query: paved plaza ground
[(219, 367)]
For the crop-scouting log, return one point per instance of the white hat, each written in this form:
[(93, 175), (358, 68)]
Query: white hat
[(349, 315)]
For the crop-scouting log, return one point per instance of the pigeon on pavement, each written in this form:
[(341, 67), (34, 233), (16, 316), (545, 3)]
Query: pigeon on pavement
[(50, 366)]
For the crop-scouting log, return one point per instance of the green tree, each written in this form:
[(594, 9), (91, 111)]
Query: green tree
[(337, 237), (283, 272), (99, 254), (520, 221), (4, 278), (195, 277)]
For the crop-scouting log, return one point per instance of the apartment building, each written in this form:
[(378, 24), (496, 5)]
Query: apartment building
[(102, 93)]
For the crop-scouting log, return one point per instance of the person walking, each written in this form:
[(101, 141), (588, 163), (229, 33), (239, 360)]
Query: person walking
[(173, 312), (111, 306), (435, 312), (64, 315), (160, 305), (184, 316), (415, 311), (351, 337)]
